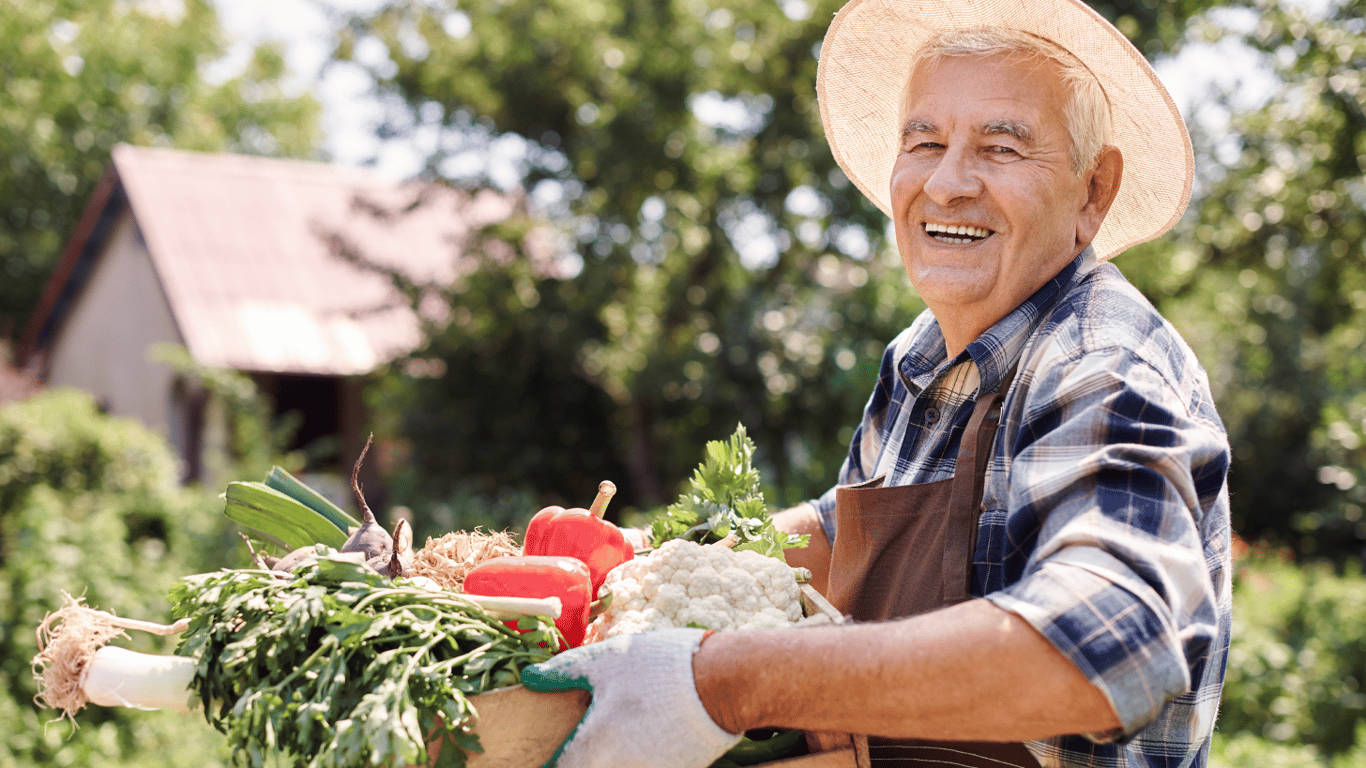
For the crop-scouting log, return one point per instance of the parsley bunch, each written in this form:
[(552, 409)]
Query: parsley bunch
[(335, 666), (725, 496)]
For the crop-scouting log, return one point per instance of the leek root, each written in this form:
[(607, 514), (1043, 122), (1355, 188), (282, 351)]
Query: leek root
[(74, 667)]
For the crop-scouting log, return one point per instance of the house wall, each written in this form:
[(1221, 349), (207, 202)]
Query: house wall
[(104, 343)]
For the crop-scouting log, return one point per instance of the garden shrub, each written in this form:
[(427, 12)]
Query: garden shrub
[(1297, 666), (91, 506)]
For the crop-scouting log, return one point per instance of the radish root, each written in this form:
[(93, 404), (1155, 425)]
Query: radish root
[(370, 538)]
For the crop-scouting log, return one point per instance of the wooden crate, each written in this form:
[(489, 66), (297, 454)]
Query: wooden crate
[(522, 729)]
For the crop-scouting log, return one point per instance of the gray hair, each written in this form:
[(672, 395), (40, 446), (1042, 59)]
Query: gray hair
[(1087, 110)]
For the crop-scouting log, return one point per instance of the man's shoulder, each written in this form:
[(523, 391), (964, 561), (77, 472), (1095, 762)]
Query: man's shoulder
[(1104, 306), (1103, 315)]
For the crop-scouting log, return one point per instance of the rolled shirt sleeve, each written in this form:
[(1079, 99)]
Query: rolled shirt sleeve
[(1115, 500)]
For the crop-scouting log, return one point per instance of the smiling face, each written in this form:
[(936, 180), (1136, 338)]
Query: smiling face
[(986, 205)]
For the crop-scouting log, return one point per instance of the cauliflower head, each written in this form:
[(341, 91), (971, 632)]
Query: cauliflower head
[(684, 583)]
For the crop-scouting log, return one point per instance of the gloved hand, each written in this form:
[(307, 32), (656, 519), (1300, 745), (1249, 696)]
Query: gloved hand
[(645, 711)]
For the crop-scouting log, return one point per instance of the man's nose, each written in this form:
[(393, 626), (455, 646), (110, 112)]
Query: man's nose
[(953, 178)]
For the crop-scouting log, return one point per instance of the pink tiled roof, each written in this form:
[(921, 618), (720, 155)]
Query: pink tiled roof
[(241, 246)]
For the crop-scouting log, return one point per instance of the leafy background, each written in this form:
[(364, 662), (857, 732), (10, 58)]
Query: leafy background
[(716, 269)]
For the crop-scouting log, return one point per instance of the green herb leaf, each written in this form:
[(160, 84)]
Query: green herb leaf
[(725, 496)]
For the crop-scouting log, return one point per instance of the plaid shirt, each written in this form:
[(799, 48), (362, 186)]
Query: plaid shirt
[(1105, 518)]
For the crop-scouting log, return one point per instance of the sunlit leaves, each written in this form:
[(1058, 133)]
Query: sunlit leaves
[(727, 269), (335, 666), (1276, 251), (82, 77)]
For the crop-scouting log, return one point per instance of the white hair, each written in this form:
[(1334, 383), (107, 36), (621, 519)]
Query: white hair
[(1087, 110)]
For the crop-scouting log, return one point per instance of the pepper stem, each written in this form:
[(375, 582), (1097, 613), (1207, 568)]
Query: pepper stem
[(606, 489)]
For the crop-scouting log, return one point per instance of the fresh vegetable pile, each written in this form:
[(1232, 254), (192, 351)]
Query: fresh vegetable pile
[(352, 649), (341, 667)]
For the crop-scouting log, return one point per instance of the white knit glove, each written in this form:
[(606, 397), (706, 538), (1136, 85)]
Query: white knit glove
[(645, 712)]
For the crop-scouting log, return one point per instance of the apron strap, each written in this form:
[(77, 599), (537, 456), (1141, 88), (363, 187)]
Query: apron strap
[(965, 498)]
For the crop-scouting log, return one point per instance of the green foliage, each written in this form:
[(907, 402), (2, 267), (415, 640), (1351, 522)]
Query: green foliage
[(719, 268), (83, 76), (726, 496), (1294, 689), (339, 667), (1269, 279), (509, 409), (59, 440), (695, 296), (1155, 28), (90, 505), (1245, 750)]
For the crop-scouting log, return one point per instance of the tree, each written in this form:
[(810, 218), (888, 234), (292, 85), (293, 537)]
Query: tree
[(1275, 249), (721, 268), (81, 77)]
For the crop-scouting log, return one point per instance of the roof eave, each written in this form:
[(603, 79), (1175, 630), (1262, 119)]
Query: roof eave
[(48, 314)]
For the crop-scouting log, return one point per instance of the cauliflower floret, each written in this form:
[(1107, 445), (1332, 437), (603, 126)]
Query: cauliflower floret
[(684, 583)]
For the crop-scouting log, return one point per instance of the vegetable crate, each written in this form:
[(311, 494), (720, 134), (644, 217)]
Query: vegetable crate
[(522, 729)]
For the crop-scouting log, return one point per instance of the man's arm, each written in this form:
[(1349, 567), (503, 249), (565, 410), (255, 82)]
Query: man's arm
[(803, 520), (969, 672)]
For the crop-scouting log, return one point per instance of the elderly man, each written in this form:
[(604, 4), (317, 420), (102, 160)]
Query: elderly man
[(1031, 528)]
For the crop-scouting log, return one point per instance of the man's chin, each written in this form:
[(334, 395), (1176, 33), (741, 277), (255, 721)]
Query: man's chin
[(953, 284)]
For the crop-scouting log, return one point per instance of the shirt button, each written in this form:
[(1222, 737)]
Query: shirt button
[(931, 414)]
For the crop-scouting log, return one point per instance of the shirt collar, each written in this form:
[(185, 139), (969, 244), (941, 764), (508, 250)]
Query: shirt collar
[(996, 351)]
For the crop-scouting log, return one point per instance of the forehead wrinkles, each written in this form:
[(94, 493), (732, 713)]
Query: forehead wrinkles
[(1012, 123)]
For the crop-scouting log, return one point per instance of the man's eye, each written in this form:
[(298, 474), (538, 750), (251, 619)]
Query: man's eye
[(911, 145), (998, 149)]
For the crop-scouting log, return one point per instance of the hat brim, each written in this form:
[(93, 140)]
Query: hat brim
[(865, 62)]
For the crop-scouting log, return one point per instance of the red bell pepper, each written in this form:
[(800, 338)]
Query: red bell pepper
[(532, 576), (580, 533)]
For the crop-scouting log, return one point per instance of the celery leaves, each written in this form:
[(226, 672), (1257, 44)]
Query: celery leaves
[(725, 496)]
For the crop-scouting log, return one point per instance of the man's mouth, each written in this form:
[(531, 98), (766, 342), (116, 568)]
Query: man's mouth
[(955, 234)]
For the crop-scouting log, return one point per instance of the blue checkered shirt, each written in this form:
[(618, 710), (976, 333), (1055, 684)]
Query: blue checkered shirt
[(1105, 518)]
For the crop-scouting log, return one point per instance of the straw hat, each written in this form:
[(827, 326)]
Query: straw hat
[(865, 62)]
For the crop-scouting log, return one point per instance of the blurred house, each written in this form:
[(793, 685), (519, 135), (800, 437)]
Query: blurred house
[(240, 260)]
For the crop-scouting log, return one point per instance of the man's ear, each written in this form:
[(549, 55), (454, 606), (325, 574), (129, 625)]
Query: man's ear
[(1102, 185)]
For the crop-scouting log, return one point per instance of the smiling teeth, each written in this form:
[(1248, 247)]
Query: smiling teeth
[(956, 230), (956, 234)]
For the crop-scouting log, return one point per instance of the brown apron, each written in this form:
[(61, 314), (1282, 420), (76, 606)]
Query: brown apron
[(887, 564)]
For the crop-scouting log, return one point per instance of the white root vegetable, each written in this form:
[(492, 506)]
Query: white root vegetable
[(118, 677), (75, 667), (516, 607)]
